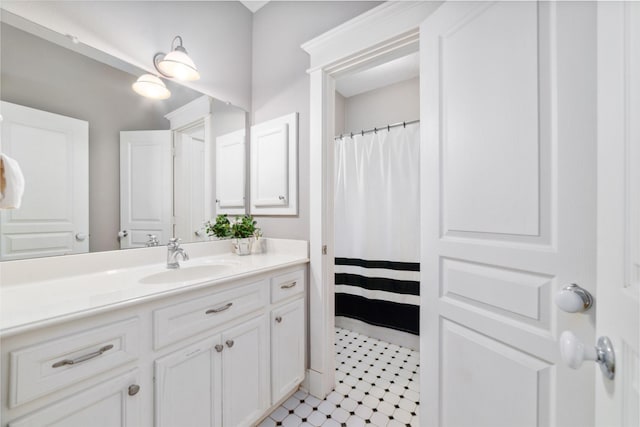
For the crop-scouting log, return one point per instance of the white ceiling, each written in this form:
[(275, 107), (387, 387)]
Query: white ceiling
[(254, 5), (397, 70)]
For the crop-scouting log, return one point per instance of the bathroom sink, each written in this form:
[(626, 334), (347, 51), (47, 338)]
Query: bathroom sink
[(186, 274)]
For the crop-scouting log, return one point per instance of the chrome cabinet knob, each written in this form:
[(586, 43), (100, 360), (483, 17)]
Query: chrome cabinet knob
[(279, 319), (219, 347), (80, 237), (134, 389), (574, 352), (574, 299), (229, 343)]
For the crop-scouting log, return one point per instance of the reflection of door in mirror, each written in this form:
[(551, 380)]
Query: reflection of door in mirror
[(230, 173), (191, 168), (52, 151), (145, 187)]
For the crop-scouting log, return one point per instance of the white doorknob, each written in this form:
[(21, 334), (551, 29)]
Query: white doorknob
[(574, 299), (574, 352)]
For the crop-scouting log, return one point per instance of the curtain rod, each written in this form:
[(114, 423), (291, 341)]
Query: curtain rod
[(375, 130)]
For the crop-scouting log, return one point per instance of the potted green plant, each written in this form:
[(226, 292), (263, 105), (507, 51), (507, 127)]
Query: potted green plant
[(242, 229)]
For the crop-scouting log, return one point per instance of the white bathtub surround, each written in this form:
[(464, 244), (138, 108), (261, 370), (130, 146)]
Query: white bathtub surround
[(376, 384), (46, 291)]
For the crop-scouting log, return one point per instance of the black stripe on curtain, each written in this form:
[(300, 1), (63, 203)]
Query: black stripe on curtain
[(410, 287), (402, 317), (389, 265)]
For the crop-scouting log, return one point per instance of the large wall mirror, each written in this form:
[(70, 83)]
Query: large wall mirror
[(104, 167)]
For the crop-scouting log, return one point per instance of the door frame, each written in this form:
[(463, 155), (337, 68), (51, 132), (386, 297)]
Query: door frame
[(345, 49)]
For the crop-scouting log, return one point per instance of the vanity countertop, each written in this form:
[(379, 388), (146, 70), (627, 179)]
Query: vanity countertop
[(49, 299)]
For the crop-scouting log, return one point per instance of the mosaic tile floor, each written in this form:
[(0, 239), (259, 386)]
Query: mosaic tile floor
[(377, 384)]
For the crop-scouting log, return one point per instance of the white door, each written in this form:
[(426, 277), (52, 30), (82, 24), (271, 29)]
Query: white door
[(190, 202), (53, 153), (146, 187), (287, 349), (245, 374), (188, 386), (508, 206), (230, 173), (108, 404), (617, 299)]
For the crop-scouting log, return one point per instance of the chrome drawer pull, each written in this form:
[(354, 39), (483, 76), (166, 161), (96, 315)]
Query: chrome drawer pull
[(289, 285), (218, 310), (82, 358)]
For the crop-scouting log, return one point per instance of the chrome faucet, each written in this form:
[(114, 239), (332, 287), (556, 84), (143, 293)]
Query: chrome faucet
[(153, 240), (174, 250)]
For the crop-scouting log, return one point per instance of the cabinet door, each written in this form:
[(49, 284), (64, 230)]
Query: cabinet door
[(274, 166), (287, 348), (245, 377), (107, 404), (187, 386)]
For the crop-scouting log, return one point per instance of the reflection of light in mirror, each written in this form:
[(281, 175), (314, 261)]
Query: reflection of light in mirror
[(150, 86)]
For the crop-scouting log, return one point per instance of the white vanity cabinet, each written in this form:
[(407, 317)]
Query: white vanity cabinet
[(218, 381), (221, 354)]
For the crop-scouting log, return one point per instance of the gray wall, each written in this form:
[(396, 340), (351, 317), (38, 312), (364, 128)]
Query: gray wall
[(399, 102), (280, 84), (39, 74)]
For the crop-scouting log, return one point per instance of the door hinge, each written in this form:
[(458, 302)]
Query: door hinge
[(324, 249)]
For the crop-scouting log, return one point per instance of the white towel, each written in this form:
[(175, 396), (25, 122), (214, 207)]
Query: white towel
[(11, 183)]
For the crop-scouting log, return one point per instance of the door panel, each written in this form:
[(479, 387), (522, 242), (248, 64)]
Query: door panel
[(53, 153), (618, 298), (508, 210), (230, 172), (146, 186)]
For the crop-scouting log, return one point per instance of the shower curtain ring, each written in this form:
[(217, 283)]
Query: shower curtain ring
[(388, 128), (404, 124), (351, 135), (375, 130), (362, 132)]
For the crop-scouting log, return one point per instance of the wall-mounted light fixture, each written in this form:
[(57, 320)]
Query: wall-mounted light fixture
[(175, 64)]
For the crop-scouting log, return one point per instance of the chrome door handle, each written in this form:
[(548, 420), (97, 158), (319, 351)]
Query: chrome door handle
[(230, 343), (219, 309), (82, 358), (574, 352), (574, 299)]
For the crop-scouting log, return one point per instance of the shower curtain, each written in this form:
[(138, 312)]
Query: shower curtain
[(377, 228)]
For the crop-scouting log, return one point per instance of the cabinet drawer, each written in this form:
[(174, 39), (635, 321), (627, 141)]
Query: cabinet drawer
[(44, 368), (287, 285), (180, 321)]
